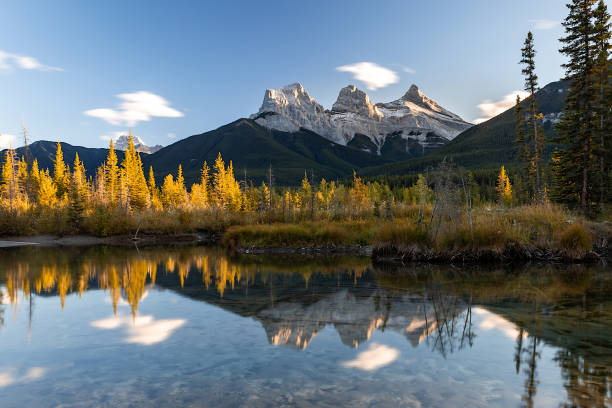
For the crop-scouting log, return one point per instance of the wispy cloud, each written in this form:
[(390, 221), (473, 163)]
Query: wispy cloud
[(409, 70), (490, 109), (172, 135), (543, 24), (7, 140), (136, 107), (373, 75), (113, 135), (10, 61)]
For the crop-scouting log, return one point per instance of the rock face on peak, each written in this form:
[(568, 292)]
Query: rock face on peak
[(356, 101), (407, 127), (415, 96), (290, 108), (122, 144)]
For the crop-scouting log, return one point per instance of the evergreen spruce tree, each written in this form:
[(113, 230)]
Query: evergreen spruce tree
[(535, 134), (576, 127), (523, 152), (603, 96)]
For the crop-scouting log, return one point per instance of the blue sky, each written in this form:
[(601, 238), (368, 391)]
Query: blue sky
[(172, 69)]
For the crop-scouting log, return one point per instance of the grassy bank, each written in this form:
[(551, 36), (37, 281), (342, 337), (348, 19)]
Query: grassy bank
[(545, 233), (410, 233)]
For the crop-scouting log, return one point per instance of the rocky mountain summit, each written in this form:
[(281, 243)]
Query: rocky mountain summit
[(413, 124), (121, 143)]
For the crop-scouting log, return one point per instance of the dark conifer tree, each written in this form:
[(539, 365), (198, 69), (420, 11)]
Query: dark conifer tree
[(523, 152), (576, 128), (535, 134), (603, 96)]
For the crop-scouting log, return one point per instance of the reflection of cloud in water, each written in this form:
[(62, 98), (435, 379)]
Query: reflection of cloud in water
[(144, 330), (376, 356), (491, 321), (5, 299), (8, 377)]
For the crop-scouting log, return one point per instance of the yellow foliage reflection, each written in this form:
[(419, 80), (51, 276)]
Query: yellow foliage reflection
[(126, 274)]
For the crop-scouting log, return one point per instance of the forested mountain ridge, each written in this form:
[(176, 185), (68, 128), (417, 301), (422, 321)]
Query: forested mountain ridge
[(254, 149), (489, 144), (44, 152)]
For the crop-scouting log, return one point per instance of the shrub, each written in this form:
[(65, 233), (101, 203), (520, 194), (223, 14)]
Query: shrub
[(401, 233), (575, 240)]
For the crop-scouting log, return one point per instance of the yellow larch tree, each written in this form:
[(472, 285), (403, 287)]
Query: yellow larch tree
[(61, 173), (504, 188)]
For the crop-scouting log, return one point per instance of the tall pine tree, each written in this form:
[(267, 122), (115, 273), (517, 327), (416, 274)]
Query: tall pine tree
[(523, 151), (535, 134), (603, 96), (576, 128)]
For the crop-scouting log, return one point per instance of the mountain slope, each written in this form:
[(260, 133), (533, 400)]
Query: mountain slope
[(44, 151), (252, 147), (489, 144)]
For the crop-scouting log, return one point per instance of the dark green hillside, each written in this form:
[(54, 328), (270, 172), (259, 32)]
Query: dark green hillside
[(44, 151), (251, 146), (487, 145)]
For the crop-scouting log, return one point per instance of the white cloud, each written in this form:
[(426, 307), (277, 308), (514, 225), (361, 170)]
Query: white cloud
[(543, 24), (7, 140), (8, 377), (143, 330), (409, 70), (490, 109), (9, 61), (491, 321), (378, 355), (373, 75), (136, 107), (172, 135), (113, 135)]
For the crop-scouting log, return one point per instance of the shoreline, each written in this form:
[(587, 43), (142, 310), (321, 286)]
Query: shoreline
[(380, 254), (114, 240)]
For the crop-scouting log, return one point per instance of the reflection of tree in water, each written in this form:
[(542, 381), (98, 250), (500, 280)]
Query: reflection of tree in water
[(530, 356), (452, 322), (588, 384), (2, 307)]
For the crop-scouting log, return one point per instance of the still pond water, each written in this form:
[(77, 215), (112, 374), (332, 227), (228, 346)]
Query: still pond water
[(191, 327)]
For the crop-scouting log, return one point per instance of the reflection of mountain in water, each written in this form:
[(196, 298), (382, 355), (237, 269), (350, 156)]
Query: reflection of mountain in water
[(292, 311), (354, 318)]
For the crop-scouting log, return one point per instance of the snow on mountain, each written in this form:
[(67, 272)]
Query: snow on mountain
[(413, 117), (122, 144)]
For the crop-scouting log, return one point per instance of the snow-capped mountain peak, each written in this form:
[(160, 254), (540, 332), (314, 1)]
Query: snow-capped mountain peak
[(354, 100), (121, 143), (414, 117)]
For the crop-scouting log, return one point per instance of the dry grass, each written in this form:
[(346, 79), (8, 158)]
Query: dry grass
[(544, 228), (308, 234)]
